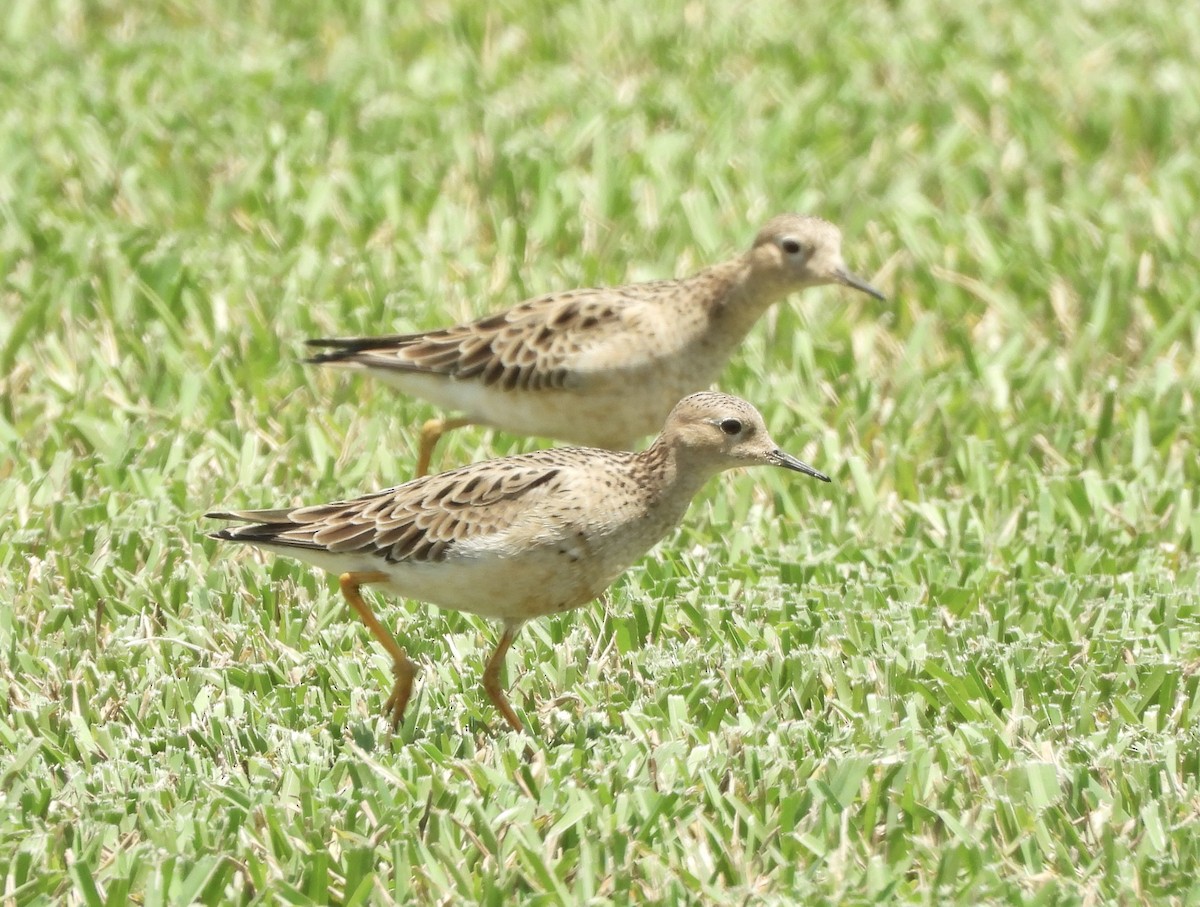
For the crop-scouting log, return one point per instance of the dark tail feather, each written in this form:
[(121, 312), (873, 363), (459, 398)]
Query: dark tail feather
[(269, 534), (252, 516), (266, 525), (342, 349)]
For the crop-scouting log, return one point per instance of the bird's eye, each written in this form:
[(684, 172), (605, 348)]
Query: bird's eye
[(790, 246), (731, 426)]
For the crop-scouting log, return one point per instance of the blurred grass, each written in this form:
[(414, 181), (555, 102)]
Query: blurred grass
[(966, 672)]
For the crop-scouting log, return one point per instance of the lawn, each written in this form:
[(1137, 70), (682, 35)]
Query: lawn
[(965, 672)]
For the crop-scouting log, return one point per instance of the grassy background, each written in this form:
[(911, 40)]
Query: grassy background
[(967, 671)]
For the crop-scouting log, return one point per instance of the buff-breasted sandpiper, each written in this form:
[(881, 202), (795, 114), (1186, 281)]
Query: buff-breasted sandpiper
[(516, 537), (600, 367)]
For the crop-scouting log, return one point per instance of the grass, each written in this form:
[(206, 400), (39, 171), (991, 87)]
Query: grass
[(966, 672)]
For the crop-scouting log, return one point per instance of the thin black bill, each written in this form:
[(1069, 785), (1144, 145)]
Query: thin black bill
[(787, 461), (853, 280)]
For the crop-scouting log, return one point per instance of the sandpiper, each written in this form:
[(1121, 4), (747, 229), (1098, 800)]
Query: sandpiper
[(599, 367), (516, 537)]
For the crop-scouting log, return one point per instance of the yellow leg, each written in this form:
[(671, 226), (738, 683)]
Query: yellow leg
[(402, 665), (491, 678), (431, 433)]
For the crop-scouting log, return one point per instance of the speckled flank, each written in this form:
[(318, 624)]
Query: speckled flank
[(602, 367)]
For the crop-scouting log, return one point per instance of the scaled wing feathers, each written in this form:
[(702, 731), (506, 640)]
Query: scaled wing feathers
[(420, 521), (529, 347)]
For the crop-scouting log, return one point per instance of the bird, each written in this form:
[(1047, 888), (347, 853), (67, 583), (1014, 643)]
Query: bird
[(516, 537), (598, 367)]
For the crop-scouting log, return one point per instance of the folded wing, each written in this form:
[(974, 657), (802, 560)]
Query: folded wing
[(532, 346), (421, 521)]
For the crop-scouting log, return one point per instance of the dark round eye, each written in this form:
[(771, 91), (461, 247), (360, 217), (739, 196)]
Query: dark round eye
[(790, 246), (731, 427)]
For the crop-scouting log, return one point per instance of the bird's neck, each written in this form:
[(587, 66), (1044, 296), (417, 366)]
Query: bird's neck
[(738, 299), (664, 470)]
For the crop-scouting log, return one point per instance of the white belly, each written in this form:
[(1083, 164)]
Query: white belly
[(612, 411), (514, 587)]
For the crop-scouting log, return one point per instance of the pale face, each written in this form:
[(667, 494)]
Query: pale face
[(801, 251), (728, 432)]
